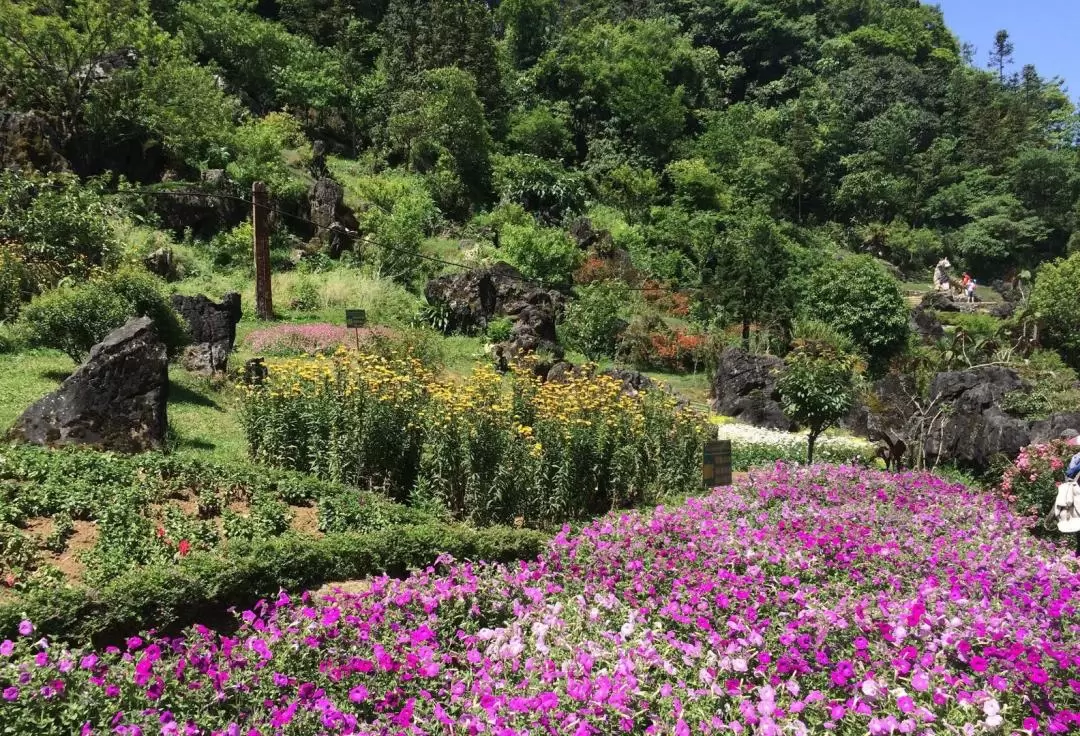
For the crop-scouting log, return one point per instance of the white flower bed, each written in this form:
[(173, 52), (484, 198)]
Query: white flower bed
[(755, 446)]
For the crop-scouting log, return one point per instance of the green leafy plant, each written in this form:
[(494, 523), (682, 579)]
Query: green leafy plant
[(74, 319), (817, 386), (861, 301), (498, 330), (592, 324)]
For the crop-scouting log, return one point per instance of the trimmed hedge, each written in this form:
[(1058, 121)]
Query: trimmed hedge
[(203, 588)]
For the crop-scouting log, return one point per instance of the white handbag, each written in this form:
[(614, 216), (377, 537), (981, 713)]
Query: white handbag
[(1067, 507)]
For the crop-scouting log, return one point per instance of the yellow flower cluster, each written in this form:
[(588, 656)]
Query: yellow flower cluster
[(368, 420)]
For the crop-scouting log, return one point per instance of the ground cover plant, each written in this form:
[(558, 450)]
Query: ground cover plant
[(80, 516), (832, 599), (487, 449)]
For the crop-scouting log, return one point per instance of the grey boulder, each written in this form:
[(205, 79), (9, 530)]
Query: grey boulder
[(115, 401)]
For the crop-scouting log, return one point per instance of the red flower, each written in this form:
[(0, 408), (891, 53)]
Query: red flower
[(185, 547), (160, 532)]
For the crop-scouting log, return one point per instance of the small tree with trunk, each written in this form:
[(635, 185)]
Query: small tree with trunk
[(818, 386)]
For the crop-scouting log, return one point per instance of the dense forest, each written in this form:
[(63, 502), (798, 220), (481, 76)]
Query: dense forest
[(724, 144)]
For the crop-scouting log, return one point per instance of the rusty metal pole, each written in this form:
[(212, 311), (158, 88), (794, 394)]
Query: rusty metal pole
[(264, 306)]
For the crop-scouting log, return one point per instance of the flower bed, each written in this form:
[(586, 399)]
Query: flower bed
[(825, 600), (755, 446), (309, 339), (487, 449)]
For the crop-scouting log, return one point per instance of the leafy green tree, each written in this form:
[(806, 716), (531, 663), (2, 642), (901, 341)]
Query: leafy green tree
[(635, 80), (1001, 54), (543, 187), (592, 323), (424, 35), (745, 272), (62, 227), (818, 384), (1053, 304), (440, 130), (542, 131), (529, 26), (859, 299), (52, 51)]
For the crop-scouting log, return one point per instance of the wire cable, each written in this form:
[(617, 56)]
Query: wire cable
[(356, 237)]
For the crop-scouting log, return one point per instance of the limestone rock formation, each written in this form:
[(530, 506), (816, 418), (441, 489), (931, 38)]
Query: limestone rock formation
[(332, 218), (212, 329), (474, 298), (115, 401), (744, 387)]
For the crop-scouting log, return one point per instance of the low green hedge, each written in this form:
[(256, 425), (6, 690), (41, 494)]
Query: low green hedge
[(203, 588)]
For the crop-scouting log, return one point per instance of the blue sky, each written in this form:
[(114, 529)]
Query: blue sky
[(1046, 32)]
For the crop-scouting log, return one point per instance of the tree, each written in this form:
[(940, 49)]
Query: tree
[(438, 125), (745, 271), (1001, 55), (859, 299), (54, 54), (1053, 304), (422, 35), (818, 385)]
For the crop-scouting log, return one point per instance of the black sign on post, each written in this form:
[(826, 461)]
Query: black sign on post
[(355, 319), (716, 464)]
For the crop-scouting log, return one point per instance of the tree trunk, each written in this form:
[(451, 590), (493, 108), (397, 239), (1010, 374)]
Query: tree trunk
[(746, 332), (811, 440)]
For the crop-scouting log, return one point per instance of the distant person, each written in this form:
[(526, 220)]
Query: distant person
[(969, 289)]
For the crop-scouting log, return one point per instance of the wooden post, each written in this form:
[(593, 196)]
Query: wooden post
[(264, 306)]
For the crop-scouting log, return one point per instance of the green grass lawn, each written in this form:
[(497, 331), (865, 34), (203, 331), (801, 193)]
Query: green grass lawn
[(203, 419)]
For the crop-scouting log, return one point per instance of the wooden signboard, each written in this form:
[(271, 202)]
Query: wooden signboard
[(716, 464)]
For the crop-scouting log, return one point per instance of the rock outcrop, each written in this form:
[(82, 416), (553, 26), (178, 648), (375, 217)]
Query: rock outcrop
[(940, 301), (926, 325), (163, 263), (197, 207), (744, 387), (115, 401), (960, 420), (973, 426), (212, 330), (27, 141), (333, 220), (472, 299)]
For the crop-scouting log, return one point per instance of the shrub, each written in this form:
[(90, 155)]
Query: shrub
[(1053, 303), (541, 186), (539, 452), (592, 324), (1030, 481), (858, 298), (61, 225), (499, 330), (650, 343), (543, 254), (205, 587), (74, 319)]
